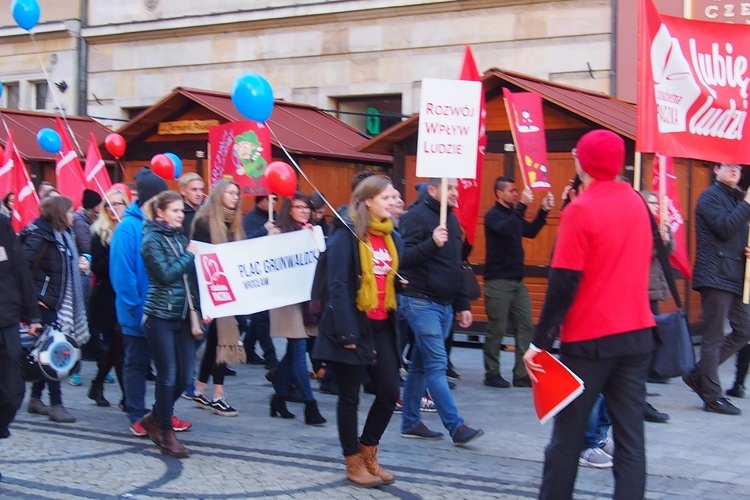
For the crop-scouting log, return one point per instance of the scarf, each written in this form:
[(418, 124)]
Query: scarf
[(229, 348), (367, 295), (80, 326), (161, 222)]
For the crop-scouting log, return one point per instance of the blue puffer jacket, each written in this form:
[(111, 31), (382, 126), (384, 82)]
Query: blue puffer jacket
[(721, 217), (127, 272), (166, 297)]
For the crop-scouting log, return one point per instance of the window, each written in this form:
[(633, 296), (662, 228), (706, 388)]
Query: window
[(370, 114), (40, 95), (10, 91)]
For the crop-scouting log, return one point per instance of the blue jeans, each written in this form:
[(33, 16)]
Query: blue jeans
[(293, 370), (134, 369), (431, 323), (173, 348), (599, 424)]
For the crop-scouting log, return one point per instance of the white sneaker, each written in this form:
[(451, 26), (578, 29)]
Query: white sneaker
[(596, 458), (608, 447), (427, 405)]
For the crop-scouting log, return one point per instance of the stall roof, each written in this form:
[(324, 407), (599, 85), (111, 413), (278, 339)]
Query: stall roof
[(601, 109), (300, 128), (24, 126)]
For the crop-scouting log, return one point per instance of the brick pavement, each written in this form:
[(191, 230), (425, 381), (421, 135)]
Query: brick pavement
[(696, 455)]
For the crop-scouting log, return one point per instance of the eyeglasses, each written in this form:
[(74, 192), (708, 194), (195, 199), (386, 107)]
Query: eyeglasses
[(304, 208), (117, 204)]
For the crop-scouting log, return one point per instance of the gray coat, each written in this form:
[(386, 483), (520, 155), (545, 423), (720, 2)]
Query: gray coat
[(658, 288)]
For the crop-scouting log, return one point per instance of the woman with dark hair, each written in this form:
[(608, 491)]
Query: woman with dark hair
[(288, 322), (357, 330), (169, 259), (102, 315), (56, 270), (219, 220), (6, 207)]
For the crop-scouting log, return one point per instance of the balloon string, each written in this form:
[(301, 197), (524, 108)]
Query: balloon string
[(325, 200), (54, 95)]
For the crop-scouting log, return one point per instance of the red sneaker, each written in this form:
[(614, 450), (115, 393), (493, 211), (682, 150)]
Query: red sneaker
[(137, 429), (180, 425)]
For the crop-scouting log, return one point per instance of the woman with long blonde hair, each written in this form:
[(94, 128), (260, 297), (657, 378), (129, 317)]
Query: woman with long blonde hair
[(219, 220), (102, 315)]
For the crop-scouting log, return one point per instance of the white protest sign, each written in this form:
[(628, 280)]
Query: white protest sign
[(448, 128), (245, 277)]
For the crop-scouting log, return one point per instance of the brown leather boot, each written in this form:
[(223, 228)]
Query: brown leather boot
[(357, 473), (171, 446), (150, 424), (370, 458)]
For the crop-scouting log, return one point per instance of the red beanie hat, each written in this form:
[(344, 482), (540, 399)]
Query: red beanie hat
[(601, 154)]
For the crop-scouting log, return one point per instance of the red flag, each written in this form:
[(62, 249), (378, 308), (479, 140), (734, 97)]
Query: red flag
[(554, 389), (6, 167), (527, 125), (26, 208), (68, 170), (679, 258), (469, 190), (97, 177)]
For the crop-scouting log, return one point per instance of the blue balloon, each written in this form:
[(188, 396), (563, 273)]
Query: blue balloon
[(1, 89), (25, 12), (177, 164), (253, 97), (49, 140)]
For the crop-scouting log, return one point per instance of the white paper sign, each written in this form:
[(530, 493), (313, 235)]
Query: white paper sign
[(448, 128), (245, 277)]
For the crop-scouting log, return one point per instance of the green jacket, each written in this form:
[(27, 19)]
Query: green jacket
[(166, 298)]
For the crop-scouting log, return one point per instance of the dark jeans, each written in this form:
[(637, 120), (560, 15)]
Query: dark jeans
[(716, 347), (622, 380), (208, 364), (134, 369), (111, 357), (385, 381), (260, 331), (172, 347), (12, 386), (293, 370)]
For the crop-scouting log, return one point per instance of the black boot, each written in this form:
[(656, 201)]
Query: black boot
[(278, 406), (743, 362), (312, 415), (96, 393)]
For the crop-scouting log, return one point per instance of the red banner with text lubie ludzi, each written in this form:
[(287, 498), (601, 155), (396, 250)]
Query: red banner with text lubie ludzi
[(692, 87), (527, 123), (241, 151)]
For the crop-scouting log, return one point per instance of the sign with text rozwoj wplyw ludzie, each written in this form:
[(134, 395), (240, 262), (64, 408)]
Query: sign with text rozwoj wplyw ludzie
[(245, 277)]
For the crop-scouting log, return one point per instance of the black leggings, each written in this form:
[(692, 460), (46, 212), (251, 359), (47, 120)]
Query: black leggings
[(208, 364), (112, 356), (385, 380)]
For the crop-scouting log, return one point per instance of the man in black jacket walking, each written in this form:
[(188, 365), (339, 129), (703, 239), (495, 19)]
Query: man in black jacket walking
[(506, 297), (721, 223), (432, 266), (19, 304)]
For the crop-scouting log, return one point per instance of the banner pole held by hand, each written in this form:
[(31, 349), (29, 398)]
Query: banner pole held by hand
[(270, 207), (443, 201), (746, 287)]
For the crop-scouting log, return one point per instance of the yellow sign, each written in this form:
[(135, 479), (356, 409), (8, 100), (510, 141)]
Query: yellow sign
[(186, 127)]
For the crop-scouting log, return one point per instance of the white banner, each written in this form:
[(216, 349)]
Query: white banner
[(448, 128), (245, 277)]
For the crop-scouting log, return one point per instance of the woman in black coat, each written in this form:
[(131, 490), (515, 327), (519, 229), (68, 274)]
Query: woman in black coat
[(357, 331)]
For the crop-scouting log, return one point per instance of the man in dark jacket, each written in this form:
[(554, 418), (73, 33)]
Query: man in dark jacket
[(506, 297), (19, 304), (192, 191), (721, 218), (85, 216), (432, 266)]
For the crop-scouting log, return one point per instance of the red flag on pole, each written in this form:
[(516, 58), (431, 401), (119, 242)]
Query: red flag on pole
[(68, 170), (26, 208), (469, 190), (679, 258), (6, 167), (527, 127), (97, 177)]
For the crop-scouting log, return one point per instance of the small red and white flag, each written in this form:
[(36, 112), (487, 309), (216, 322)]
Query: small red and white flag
[(97, 177), (469, 190), (68, 170), (26, 208), (679, 258), (6, 167)]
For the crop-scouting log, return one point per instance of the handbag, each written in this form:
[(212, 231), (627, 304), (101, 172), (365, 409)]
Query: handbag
[(674, 357), (196, 324), (470, 280)]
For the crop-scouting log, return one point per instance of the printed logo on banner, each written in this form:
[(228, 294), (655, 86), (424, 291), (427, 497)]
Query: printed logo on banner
[(218, 284)]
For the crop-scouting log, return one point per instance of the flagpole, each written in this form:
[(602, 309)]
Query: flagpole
[(637, 171), (662, 193), (444, 202), (515, 143)]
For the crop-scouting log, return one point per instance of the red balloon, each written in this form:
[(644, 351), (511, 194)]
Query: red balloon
[(281, 178), (115, 144), (162, 166), (124, 188)]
